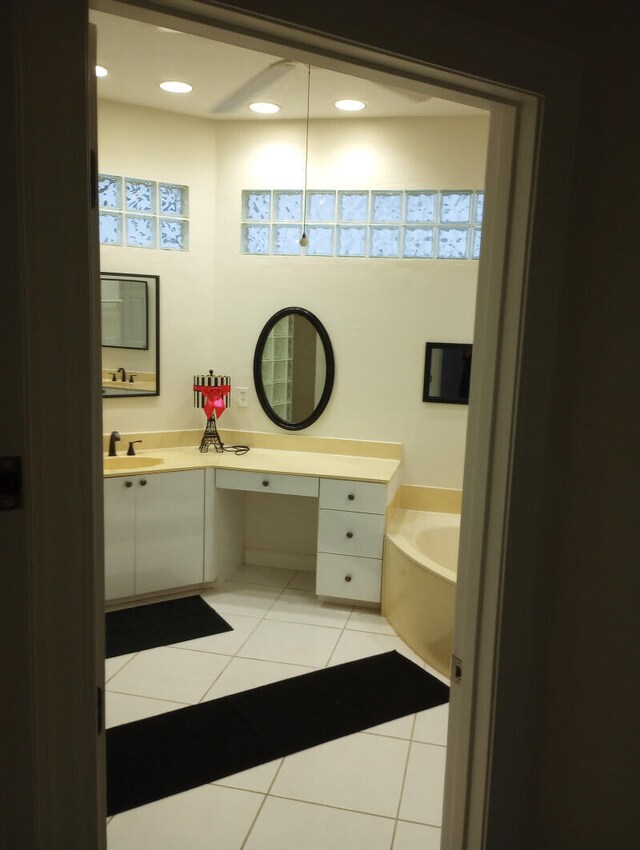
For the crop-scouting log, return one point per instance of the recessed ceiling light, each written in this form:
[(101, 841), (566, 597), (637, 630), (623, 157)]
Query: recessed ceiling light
[(350, 105), (101, 71), (264, 108), (176, 87)]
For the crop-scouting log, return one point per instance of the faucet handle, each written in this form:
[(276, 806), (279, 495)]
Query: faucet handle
[(131, 450), (113, 376), (131, 381)]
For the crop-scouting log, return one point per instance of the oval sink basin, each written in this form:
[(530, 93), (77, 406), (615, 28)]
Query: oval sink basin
[(127, 462)]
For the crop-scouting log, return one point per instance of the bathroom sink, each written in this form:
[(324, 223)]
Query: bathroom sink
[(130, 462)]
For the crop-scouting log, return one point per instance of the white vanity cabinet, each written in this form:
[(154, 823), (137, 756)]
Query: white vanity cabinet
[(154, 532), (350, 536)]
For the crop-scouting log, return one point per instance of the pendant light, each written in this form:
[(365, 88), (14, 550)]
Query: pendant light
[(304, 241)]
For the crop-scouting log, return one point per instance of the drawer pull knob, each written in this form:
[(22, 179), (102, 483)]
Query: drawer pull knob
[(349, 534), (351, 497), (143, 483), (347, 578), (128, 483), (265, 483)]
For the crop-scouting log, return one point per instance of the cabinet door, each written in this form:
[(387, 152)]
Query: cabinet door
[(119, 537), (169, 530)]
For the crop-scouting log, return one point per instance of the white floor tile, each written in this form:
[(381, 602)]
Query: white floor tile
[(200, 819), (299, 606), (353, 645), (292, 825), (291, 643), (400, 728), (112, 665), (423, 793), (358, 772), (170, 674), (244, 673), (224, 643), (414, 836), (236, 597), (269, 576), (303, 580), (362, 620), (255, 779), (432, 725), (125, 708)]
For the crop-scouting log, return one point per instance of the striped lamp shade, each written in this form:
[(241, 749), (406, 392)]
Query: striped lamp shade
[(210, 380)]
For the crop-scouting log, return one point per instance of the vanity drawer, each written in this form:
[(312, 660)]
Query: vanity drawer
[(262, 482), (350, 533), (347, 577), (361, 496)]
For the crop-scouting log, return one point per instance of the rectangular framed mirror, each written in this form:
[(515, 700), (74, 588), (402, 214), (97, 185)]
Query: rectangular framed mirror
[(447, 372), (130, 308)]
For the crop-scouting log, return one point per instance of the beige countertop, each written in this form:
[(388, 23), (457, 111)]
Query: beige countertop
[(319, 464)]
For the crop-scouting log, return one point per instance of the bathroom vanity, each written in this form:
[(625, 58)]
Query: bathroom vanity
[(176, 521)]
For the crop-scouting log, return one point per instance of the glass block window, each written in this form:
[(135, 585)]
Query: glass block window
[(156, 214), (353, 206), (386, 206), (426, 224), (286, 238), (288, 206), (174, 199), (384, 241), (321, 206), (256, 206), (110, 228), (110, 191), (174, 234), (141, 231)]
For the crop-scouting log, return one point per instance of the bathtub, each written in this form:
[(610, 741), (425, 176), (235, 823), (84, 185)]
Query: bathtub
[(419, 582)]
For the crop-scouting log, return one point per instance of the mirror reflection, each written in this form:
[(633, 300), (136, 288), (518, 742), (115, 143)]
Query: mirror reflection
[(447, 372), (130, 334), (293, 368)]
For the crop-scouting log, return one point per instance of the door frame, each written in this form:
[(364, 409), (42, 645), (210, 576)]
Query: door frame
[(504, 517)]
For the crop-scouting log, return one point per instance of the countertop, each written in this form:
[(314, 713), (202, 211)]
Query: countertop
[(317, 464)]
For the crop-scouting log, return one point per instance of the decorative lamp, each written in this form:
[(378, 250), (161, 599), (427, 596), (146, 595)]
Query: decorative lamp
[(212, 393)]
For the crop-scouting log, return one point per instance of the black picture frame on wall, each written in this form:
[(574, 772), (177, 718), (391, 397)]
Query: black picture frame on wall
[(447, 372)]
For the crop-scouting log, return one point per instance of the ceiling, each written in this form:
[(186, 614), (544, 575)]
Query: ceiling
[(140, 55)]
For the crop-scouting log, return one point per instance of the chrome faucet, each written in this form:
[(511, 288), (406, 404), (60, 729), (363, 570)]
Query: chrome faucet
[(113, 439), (124, 374)]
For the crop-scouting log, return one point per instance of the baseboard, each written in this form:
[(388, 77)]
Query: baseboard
[(284, 560)]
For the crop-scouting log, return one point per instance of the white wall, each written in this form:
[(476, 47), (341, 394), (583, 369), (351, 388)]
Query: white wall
[(379, 313)]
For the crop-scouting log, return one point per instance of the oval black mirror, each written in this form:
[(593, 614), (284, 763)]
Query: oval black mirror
[(293, 368)]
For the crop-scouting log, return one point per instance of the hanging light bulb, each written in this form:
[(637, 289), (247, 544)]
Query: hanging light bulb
[(304, 239)]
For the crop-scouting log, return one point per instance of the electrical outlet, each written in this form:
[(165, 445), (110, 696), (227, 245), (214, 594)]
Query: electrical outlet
[(242, 396)]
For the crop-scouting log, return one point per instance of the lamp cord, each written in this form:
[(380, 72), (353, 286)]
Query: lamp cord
[(306, 158)]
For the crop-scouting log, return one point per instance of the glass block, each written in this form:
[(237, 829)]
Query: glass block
[(286, 238), (256, 206), (110, 228), (321, 206), (455, 207), (453, 243), (141, 231), (288, 206), (267, 371), (418, 242), (281, 370), (384, 242), (282, 327), (352, 241), (268, 348), (255, 238), (320, 241), (110, 191), (174, 235), (279, 393), (174, 200), (475, 243), (353, 206), (421, 206), (386, 206), (479, 209), (281, 348), (140, 195)]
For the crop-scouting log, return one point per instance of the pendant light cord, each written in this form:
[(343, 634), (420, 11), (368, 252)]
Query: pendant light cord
[(306, 158)]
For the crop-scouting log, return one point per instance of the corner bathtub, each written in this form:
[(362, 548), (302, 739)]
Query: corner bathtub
[(419, 582)]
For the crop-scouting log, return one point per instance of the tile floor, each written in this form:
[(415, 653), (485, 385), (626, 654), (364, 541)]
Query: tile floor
[(376, 790)]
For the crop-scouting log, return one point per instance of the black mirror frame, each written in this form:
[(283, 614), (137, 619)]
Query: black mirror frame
[(329, 376)]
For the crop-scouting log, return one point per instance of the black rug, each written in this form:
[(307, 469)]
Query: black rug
[(160, 624), (173, 752)]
